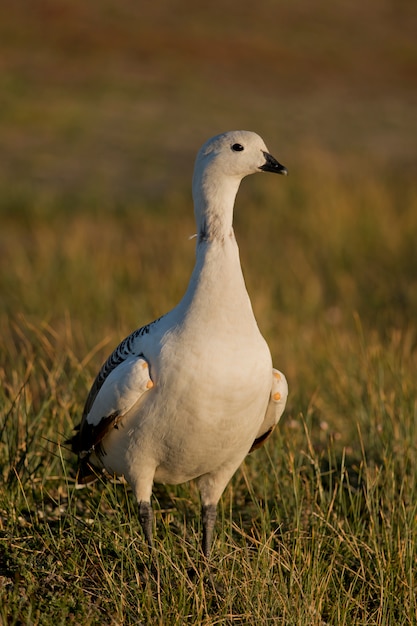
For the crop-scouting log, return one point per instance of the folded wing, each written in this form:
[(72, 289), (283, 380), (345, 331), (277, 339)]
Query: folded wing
[(276, 406)]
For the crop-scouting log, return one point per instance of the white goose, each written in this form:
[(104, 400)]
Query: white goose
[(189, 395)]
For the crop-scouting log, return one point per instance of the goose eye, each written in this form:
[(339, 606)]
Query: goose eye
[(237, 147)]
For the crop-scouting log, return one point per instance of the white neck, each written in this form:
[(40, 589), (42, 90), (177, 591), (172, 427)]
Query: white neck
[(214, 198), (217, 287)]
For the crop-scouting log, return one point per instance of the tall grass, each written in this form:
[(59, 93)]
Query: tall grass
[(319, 527)]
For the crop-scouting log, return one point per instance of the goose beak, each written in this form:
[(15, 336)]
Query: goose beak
[(272, 165)]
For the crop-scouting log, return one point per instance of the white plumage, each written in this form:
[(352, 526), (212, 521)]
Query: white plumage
[(188, 396)]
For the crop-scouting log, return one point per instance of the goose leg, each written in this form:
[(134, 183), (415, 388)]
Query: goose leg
[(145, 518), (209, 518)]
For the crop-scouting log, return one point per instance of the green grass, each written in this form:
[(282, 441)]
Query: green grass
[(102, 112), (317, 527)]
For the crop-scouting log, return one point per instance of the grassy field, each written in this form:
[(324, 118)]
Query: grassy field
[(103, 107)]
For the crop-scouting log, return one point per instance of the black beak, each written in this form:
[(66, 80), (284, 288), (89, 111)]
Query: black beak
[(272, 165)]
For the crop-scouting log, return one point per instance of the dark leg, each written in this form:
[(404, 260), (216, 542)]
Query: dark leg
[(145, 518), (209, 519)]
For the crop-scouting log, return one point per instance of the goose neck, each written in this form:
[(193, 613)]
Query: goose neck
[(214, 200)]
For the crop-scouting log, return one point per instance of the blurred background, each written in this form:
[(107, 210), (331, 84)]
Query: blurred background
[(102, 102), (103, 106)]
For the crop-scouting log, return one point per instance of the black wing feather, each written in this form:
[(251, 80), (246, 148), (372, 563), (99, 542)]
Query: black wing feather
[(84, 440)]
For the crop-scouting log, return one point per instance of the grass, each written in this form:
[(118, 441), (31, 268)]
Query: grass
[(319, 527), (99, 129)]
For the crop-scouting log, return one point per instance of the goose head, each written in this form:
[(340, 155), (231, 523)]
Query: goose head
[(221, 163)]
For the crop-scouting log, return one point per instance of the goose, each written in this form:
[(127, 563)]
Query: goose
[(189, 395)]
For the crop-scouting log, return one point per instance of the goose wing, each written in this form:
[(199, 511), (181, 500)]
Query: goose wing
[(122, 380), (275, 408)]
